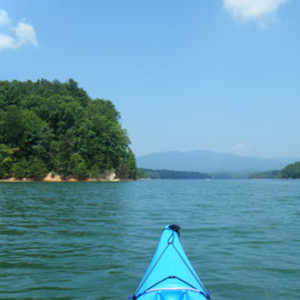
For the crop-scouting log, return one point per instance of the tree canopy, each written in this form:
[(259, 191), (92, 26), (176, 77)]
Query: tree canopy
[(50, 126), (291, 171), (274, 174), (170, 174)]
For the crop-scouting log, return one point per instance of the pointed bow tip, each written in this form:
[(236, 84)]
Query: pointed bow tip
[(173, 227)]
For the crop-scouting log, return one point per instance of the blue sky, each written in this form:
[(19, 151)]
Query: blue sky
[(220, 75)]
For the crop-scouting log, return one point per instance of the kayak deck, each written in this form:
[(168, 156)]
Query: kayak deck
[(170, 275)]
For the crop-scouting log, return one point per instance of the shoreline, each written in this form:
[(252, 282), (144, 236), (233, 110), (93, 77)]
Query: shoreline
[(62, 180), (50, 177)]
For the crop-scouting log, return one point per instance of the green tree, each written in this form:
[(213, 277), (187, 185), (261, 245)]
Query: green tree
[(291, 171), (58, 128), (78, 166), (13, 126), (128, 169), (6, 160)]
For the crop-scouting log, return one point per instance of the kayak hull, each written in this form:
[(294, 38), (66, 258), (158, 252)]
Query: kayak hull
[(170, 275), (171, 295)]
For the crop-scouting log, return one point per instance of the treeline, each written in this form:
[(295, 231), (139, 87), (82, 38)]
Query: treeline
[(275, 174), (50, 126), (291, 171), (168, 174)]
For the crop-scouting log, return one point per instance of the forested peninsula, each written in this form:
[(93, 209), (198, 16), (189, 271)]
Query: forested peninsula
[(291, 171), (170, 174), (53, 129)]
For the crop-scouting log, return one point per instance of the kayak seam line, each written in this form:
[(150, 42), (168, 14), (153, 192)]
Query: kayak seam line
[(149, 289), (141, 284), (207, 296), (193, 273), (173, 289)]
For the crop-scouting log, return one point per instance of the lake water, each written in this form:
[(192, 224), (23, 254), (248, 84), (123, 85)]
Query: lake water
[(95, 240)]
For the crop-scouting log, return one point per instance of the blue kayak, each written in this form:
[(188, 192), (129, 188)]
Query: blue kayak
[(170, 275)]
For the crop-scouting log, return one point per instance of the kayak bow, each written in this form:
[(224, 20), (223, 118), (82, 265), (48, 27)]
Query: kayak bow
[(170, 275)]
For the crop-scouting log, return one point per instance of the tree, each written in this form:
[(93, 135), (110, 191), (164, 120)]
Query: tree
[(291, 171), (57, 127), (6, 160), (13, 126), (128, 169), (78, 166)]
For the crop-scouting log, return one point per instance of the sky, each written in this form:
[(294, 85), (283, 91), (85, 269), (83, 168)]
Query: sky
[(219, 75)]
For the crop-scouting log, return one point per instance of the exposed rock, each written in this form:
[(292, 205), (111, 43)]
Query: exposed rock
[(109, 175), (51, 177)]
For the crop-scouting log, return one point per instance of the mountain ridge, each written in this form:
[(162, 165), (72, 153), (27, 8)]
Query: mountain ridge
[(210, 161)]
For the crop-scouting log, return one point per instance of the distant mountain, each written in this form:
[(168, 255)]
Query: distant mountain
[(208, 161)]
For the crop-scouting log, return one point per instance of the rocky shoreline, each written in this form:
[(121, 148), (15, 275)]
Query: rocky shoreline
[(109, 176)]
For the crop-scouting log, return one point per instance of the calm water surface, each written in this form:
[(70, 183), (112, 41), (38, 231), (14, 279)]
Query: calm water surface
[(95, 240)]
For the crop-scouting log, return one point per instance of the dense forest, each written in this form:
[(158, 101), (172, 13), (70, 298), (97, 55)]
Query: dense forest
[(169, 174), (275, 174), (291, 171), (50, 126)]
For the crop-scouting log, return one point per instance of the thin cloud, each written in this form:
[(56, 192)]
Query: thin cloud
[(4, 18), (6, 41), (15, 36), (240, 148), (25, 34), (260, 11)]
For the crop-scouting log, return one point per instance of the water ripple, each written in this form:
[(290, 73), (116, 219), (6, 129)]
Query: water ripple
[(94, 240)]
